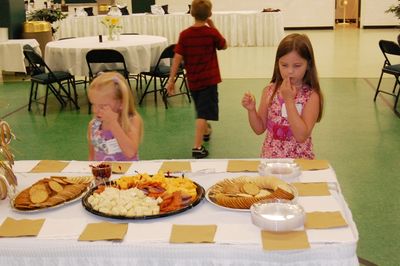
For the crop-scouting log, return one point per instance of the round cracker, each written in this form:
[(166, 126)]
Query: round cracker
[(55, 186), (38, 196)]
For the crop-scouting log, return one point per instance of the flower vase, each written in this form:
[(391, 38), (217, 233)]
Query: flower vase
[(111, 35)]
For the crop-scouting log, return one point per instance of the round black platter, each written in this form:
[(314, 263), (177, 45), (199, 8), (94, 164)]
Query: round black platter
[(199, 197)]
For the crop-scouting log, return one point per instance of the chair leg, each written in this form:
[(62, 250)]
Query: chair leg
[(145, 91), (56, 93), (45, 99), (31, 95), (68, 95), (397, 96), (377, 88)]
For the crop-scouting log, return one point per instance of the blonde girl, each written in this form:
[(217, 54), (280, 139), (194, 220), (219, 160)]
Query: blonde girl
[(291, 104), (116, 128)]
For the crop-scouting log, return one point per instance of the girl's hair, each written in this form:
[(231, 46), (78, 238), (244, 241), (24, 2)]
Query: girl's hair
[(201, 9), (116, 83), (301, 44)]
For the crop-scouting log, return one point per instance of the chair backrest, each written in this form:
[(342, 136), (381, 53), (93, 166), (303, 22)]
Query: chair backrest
[(36, 62), (104, 56), (389, 48), (167, 53)]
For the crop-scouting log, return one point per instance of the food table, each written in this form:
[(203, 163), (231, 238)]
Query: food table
[(240, 28), (237, 240), (140, 52), (11, 54)]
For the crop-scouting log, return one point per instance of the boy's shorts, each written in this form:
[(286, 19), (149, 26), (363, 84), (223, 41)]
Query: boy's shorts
[(206, 102)]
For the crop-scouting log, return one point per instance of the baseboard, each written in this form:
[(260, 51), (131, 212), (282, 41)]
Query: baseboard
[(381, 27)]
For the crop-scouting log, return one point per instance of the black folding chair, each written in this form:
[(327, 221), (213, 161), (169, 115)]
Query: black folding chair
[(101, 60), (390, 48), (42, 74), (161, 73)]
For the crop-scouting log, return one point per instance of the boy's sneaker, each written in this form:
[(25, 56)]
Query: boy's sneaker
[(199, 153), (206, 137)]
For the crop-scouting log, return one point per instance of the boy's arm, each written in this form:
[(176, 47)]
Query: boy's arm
[(212, 25), (176, 62)]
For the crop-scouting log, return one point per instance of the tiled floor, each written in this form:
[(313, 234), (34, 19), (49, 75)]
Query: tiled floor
[(359, 137)]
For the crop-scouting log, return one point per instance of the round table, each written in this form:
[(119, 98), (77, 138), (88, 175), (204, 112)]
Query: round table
[(140, 52)]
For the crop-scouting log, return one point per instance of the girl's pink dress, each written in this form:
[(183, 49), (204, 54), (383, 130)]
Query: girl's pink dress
[(279, 141)]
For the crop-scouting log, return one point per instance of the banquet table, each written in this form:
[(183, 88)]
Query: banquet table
[(237, 240), (140, 52), (11, 54), (240, 28)]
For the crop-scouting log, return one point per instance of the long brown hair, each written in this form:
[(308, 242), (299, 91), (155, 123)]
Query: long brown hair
[(301, 44)]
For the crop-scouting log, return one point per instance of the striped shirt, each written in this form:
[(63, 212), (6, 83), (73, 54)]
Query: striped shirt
[(198, 46)]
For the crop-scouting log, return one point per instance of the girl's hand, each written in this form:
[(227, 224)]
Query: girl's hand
[(107, 115), (288, 91), (249, 101)]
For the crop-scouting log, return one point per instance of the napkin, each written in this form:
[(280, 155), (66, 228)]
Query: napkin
[(243, 166), (312, 189), (103, 231), (307, 165), (120, 168), (284, 240), (193, 233), (13, 228), (318, 220), (49, 166), (175, 166)]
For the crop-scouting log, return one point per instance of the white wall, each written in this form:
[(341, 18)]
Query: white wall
[(296, 13), (373, 13)]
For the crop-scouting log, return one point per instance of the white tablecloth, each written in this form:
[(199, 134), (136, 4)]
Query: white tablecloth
[(241, 28), (12, 56), (140, 52), (237, 241)]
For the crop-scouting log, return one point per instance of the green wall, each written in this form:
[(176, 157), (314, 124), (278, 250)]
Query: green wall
[(12, 16)]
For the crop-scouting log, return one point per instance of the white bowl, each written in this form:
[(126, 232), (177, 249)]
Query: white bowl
[(277, 215), (284, 169)]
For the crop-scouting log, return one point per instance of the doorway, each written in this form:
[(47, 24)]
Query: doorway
[(347, 12)]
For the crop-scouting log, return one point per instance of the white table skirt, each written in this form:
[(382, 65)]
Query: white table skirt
[(11, 54), (146, 242), (140, 52), (246, 28)]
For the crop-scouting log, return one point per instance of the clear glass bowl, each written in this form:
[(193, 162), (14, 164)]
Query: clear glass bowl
[(277, 215), (284, 169)]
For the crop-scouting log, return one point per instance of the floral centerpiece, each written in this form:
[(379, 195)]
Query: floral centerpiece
[(112, 25), (49, 15)]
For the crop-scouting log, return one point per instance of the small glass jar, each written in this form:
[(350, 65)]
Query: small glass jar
[(101, 173)]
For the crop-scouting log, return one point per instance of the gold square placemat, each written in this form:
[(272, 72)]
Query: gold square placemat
[(103, 231), (14, 228), (49, 166), (243, 166), (175, 166), (308, 165), (312, 189), (320, 220), (193, 233), (284, 240)]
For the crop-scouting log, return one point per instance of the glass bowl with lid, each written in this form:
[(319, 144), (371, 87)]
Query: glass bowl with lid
[(277, 215), (285, 169)]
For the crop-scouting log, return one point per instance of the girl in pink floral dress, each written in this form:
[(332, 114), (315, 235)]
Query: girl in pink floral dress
[(291, 104)]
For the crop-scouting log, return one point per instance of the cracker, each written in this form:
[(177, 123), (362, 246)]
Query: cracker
[(251, 189), (55, 186), (39, 196)]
